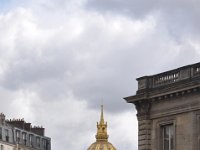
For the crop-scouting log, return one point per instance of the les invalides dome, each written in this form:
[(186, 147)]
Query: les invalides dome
[(101, 136)]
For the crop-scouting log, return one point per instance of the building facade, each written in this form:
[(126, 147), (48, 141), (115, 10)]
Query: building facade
[(101, 136), (16, 134), (168, 109)]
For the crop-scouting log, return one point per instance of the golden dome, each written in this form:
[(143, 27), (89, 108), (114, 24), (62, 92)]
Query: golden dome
[(101, 136), (101, 146)]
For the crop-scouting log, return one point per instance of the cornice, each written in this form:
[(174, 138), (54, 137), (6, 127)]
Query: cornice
[(167, 92)]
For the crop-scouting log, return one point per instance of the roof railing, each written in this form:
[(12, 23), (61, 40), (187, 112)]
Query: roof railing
[(169, 77)]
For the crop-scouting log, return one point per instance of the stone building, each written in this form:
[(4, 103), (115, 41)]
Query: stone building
[(168, 109), (101, 136), (16, 134)]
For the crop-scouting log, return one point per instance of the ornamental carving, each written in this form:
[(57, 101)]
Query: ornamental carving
[(143, 108)]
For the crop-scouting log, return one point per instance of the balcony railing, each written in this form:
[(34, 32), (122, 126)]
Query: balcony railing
[(166, 79), (169, 77)]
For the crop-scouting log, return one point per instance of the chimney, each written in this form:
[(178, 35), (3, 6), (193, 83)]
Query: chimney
[(19, 123), (2, 118), (38, 130), (27, 126)]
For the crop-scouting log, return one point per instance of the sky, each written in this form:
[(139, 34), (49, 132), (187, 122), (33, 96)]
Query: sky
[(61, 59)]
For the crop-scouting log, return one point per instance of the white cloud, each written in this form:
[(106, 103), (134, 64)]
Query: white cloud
[(59, 59)]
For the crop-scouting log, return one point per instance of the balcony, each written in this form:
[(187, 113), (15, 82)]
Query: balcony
[(186, 73)]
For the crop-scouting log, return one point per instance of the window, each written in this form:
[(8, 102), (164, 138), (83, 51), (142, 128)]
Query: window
[(48, 145), (7, 135), (17, 136), (31, 140), (0, 133), (24, 138), (38, 142), (168, 137), (44, 143)]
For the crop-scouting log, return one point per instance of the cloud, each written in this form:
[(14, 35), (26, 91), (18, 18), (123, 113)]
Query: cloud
[(180, 17), (73, 61), (50, 72), (59, 59)]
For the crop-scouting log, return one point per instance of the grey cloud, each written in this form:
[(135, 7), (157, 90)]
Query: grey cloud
[(141, 8), (129, 7), (180, 16), (65, 76), (100, 75)]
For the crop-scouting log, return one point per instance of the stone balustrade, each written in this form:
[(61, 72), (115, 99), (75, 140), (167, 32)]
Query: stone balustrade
[(189, 72)]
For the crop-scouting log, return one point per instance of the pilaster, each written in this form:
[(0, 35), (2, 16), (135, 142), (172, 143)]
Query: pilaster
[(144, 125)]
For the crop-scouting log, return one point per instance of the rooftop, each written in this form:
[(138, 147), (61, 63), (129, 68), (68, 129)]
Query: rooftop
[(22, 124), (183, 78)]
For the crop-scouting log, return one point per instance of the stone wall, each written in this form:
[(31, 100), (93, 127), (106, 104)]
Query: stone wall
[(169, 103)]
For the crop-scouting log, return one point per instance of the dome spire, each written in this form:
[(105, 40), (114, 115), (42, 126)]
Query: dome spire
[(101, 119), (101, 136), (102, 128)]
